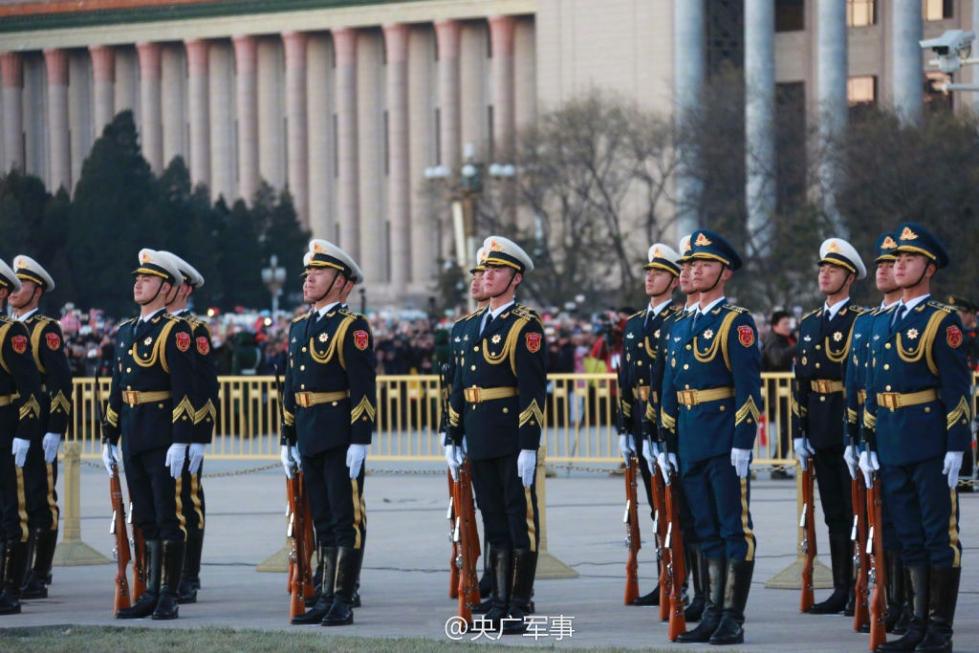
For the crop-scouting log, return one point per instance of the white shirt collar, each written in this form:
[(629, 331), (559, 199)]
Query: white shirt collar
[(911, 303), (326, 309), (656, 310), (149, 317), (692, 308), (182, 311), (884, 306), (835, 308), (703, 310), (27, 315), (496, 312)]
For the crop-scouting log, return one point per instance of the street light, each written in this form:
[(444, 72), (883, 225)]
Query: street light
[(274, 277)]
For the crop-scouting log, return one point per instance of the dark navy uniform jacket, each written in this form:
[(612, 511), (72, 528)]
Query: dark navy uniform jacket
[(639, 356), (509, 354), (154, 355), (20, 386), (456, 351), (720, 354), (818, 392), (922, 353), (48, 350), (206, 376), (330, 354)]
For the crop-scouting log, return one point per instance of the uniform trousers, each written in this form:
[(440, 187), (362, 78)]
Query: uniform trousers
[(336, 501), (156, 495), (718, 501), (510, 516)]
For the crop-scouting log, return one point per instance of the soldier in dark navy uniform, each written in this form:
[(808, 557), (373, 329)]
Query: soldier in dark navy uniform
[(710, 405), (329, 417), (20, 431), (206, 377), (967, 313), (497, 405), (917, 419), (153, 405), (641, 340), (41, 468), (825, 339)]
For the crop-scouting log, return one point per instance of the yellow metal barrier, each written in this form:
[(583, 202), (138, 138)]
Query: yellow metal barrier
[(580, 417)]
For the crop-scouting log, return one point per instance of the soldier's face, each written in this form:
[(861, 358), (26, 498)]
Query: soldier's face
[(476, 287), (496, 280), (832, 278), (317, 284), (911, 269), (23, 296), (686, 279), (658, 282), (707, 274), (146, 288), (884, 277)]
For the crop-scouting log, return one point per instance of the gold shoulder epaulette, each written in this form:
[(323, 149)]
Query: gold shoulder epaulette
[(637, 313), (815, 311), (934, 303), (736, 309), (125, 322), (300, 318), (523, 311), (859, 310)]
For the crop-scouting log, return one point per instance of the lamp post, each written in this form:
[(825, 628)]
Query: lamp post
[(274, 277)]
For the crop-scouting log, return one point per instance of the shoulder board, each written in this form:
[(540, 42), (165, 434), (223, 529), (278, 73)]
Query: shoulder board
[(736, 309), (300, 318), (637, 313), (519, 310), (859, 310), (815, 311), (941, 306), (468, 316), (125, 322), (4, 318)]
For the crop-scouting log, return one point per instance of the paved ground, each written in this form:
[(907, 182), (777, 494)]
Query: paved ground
[(405, 579)]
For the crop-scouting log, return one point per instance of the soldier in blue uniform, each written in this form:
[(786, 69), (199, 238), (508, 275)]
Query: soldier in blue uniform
[(710, 406), (153, 404), (641, 338), (917, 418), (20, 431), (497, 404), (858, 369), (328, 422), (825, 337), (41, 467), (206, 377)]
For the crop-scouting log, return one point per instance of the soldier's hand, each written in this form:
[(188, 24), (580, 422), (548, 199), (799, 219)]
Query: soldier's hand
[(453, 457), (650, 451), (852, 459), (356, 453), (868, 465), (19, 449), (297, 459), (741, 458), (176, 456), (50, 443), (110, 457), (951, 467), (666, 463), (527, 466), (286, 459), (803, 452), (196, 454), (627, 446)]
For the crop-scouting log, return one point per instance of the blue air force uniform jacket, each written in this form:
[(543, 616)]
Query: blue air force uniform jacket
[(499, 390), (712, 384), (20, 386), (672, 315), (639, 356), (48, 350), (330, 385), (858, 370)]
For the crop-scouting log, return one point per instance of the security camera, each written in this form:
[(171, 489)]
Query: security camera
[(952, 48)]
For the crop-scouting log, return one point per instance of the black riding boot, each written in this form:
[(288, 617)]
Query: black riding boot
[(173, 568), (695, 571), (190, 580), (731, 628), (501, 561), (906, 602), (35, 587), (919, 619), (842, 561), (14, 565), (714, 582), (328, 555), (943, 593), (147, 601), (317, 578), (348, 571), (895, 593), (524, 570)]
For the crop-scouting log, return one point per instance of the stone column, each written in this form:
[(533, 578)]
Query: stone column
[(447, 35), (151, 125), (370, 137), (59, 172), (689, 66), (320, 122), (831, 79), (247, 102), (80, 102), (399, 183), (422, 153), (472, 87), (296, 160), (197, 108), (126, 92), (525, 73), (103, 77), (173, 75), (220, 100), (12, 67), (501, 37), (759, 67), (908, 77), (271, 113), (348, 202)]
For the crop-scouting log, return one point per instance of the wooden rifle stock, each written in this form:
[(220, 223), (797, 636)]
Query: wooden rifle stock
[(861, 561), (677, 563), (807, 522), (139, 558), (466, 538), (660, 521), (454, 550), (633, 539), (309, 590), (118, 529), (299, 561), (878, 569)]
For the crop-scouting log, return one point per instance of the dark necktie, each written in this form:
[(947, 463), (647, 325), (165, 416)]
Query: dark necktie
[(486, 325)]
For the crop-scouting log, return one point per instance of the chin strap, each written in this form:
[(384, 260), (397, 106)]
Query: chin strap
[(507, 289), (716, 281), (843, 283)]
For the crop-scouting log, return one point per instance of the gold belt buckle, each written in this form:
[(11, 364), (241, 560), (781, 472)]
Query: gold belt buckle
[(889, 400), (472, 394), (302, 399), (688, 397), (131, 397), (820, 386), (643, 392)]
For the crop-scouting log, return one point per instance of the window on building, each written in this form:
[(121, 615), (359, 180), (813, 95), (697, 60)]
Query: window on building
[(935, 98), (861, 91), (860, 13), (725, 35), (790, 15), (937, 9)]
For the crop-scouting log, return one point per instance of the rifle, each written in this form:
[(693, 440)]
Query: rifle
[(117, 528), (807, 522), (659, 530), (466, 539), (454, 552), (633, 540), (861, 561), (139, 557), (878, 569), (676, 566)]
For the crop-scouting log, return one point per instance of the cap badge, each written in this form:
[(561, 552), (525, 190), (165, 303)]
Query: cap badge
[(833, 246), (907, 234), (702, 240), (888, 243)]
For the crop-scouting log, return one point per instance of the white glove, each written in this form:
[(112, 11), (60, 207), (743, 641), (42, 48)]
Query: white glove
[(741, 458), (951, 467), (176, 455), (650, 450), (527, 466), (287, 463), (852, 459), (356, 453), (453, 457), (297, 459), (802, 451), (196, 454), (50, 443), (868, 465), (627, 447), (666, 461), (110, 457), (20, 446)]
